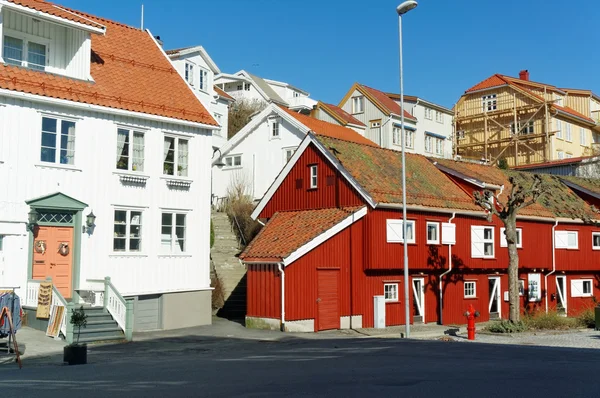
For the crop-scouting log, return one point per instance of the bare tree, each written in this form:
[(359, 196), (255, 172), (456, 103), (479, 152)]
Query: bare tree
[(240, 114), (518, 198), (239, 208)]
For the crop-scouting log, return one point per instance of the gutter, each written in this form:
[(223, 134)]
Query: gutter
[(553, 263), (445, 273), (282, 271)]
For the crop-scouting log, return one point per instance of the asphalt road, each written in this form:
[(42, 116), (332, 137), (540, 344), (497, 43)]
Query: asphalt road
[(322, 368)]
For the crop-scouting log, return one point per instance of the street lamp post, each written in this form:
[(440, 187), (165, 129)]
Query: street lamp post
[(401, 10)]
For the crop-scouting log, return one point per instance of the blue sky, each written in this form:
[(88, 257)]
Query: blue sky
[(324, 46)]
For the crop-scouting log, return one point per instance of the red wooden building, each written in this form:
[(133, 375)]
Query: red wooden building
[(333, 240)]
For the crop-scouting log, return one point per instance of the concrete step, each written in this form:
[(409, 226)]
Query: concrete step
[(105, 338), (101, 325), (99, 316)]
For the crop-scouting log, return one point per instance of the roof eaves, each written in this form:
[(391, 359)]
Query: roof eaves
[(579, 188)]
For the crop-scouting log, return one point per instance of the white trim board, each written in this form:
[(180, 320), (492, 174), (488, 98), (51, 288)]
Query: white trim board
[(307, 247)]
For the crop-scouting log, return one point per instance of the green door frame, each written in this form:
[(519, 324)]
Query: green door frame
[(60, 203)]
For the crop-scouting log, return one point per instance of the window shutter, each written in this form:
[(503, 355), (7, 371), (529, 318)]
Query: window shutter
[(503, 242), (577, 288), (394, 231), (299, 183), (477, 250), (448, 233), (561, 239), (572, 239)]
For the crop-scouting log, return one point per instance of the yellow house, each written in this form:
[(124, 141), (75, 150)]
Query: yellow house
[(524, 122)]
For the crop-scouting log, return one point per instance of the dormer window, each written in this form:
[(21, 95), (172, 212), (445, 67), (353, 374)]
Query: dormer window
[(24, 52), (189, 73), (203, 79)]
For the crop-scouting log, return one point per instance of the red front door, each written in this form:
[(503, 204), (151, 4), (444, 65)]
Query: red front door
[(328, 316), (49, 260)]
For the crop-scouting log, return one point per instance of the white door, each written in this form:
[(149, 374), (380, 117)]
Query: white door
[(418, 285), (494, 306), (561, 294)]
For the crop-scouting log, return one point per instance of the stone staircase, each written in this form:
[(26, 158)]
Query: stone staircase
[(100, 327), (228, 268)]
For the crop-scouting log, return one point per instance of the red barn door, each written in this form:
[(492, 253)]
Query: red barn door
[(328, 316)]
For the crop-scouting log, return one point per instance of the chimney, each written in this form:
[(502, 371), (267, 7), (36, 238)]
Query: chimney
[(524, 74), (160, 42)]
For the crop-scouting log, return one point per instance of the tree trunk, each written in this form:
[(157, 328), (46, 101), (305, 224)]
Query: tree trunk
[(513, 269)]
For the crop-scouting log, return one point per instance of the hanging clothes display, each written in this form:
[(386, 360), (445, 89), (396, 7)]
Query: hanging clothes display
[(11, 301)]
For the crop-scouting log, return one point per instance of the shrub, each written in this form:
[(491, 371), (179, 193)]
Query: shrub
[(239, 208), (212, 234), (587, 318), (506, 326), (549, 321)]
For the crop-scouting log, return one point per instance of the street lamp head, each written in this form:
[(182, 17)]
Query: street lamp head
[(406, 7)]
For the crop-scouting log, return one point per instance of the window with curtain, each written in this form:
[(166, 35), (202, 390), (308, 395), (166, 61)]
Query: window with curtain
[(13, 51), (127, 235), (58, 141), (173, 233), (175, 156), (130, 150)]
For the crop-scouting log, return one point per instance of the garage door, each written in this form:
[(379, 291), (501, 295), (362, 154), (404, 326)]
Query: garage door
[(327, 301), (147, 313)]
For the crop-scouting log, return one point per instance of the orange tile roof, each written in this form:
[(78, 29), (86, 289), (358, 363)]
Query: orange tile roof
[(288, 231), (553, 163), (323, 128), (130, 72), (573, 112), (378, 171), (493, 81), (389, 104), (56, 10), (561, 202), (348, 118), (223, 94)]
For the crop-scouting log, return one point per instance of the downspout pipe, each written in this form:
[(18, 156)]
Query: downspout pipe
[(553, 263), (446, 273), (281, 268)]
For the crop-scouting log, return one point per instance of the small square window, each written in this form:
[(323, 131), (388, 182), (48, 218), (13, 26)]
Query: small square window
[(470, 289), (395, 231), (390, 291), (504, 243), (433, 233), (358, 104), (596, 240)]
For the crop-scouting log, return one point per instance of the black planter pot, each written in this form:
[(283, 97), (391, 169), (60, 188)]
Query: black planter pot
[(75, 354)]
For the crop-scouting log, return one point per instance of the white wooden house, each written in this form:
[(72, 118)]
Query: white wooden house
[(93, 118), (259, 151), (199, 70), (247, 86)]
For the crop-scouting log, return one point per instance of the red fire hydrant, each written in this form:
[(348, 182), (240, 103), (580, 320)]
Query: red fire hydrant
[(471, 314)]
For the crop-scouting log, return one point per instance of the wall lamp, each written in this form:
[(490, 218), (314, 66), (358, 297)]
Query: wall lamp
[(32, 219), (90, 221)]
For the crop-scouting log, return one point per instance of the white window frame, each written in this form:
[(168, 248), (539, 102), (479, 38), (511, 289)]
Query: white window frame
[(578, 287), (478, 246), (189, 73), (203, 82), (396, 132), (314, 176), (375, 124), (439, 146), (559, 129), (561, 239), (176, 155), (390, 292), (58, 142), (467, 292), (246, 86), (521, 287), (534, 280), (504, 243), (439, 117), (131, 133), (230, 161), (356, 101), (275, 129), (428, 113), (594, 235), (128, 224), (435, 241), (428, 144), (568, 155), (582, 136), (560, 155), (26, 38), (568, 135), (288, 153), (409, 138), (394, 231), (174, 247), (489, 102)]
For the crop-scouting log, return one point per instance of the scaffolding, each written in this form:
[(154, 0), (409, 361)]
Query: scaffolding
[(507, 124)]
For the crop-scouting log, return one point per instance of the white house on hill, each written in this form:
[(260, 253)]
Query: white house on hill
[(95, 122), (199, 70), (244, 85)]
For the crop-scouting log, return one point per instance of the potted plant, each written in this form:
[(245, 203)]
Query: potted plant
[(75, 353)]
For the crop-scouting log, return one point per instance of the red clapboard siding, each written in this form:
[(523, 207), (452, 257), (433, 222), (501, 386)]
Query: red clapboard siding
[(584, 258), (339, 193), (263, 291)]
